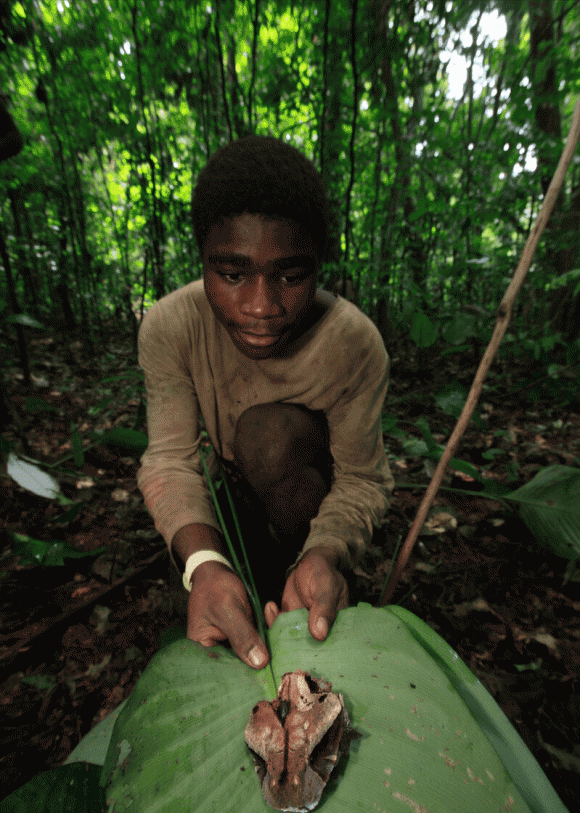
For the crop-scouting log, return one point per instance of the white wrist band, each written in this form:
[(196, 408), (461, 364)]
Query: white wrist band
[(197, 559)]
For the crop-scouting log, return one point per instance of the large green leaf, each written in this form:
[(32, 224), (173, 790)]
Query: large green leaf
[(67, 789), (550, 506), (427, 726)]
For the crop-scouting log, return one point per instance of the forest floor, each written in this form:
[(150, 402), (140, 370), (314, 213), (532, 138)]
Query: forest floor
[(75, 638)]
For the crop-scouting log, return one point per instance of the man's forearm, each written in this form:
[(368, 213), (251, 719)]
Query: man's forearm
[(193, 538)]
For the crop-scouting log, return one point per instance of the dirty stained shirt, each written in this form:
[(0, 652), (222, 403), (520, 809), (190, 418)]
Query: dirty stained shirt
[(192, 369)]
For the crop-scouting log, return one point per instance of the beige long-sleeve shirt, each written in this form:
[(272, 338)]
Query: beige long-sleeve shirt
[(193, 369)]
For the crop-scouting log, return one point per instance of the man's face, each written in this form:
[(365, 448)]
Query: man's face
[(260, 280)]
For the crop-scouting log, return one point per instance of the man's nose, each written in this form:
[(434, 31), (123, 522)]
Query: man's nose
[(261, 301)]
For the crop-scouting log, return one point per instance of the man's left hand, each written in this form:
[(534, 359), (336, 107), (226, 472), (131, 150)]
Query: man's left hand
[(317, 585)]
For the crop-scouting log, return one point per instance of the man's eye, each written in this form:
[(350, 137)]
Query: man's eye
[(297, 276), (230, 276)]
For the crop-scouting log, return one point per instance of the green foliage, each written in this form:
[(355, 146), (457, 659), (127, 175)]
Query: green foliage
[(428, 447), (42, 682), (451, 399), (128, 441), (194, 703), (119, 114), (35, 405), (77, 447), (460, 328), (550, 506), (423, 330), (51, 553)]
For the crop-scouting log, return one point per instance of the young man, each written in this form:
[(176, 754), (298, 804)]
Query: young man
[(289, 382)]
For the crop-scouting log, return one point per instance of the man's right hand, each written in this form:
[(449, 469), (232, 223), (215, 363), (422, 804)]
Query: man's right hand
[(219, 610)]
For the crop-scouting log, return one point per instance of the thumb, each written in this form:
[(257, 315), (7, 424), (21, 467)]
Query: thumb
[(248, 645), (320, 619)]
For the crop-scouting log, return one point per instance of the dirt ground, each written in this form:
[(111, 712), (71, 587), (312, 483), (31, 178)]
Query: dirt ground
[(75, 638)]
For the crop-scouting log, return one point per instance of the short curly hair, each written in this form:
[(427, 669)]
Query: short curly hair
[(261, 175)]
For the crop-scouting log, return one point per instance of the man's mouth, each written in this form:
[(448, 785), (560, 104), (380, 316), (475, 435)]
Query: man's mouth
[(259, 339)]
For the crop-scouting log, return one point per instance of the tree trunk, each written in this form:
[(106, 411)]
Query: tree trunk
[(22, 349), (30, 289), (330, 134), (562, 231)]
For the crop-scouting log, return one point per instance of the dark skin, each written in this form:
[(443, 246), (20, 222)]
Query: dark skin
[(260, 278)]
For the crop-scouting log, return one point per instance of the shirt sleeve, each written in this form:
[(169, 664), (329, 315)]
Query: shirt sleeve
[(362, 483), (171, 476)]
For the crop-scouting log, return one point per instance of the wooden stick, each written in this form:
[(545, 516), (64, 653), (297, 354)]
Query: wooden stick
[(503, 317)]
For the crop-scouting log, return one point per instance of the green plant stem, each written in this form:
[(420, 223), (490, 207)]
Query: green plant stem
[(461, 491), (251, 591), (256, 599), (222, 523)]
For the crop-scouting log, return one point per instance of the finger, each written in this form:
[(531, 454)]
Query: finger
[(246, 642), (208, 636), (292, 598), (324, 611), (271, 612), (318, 625)]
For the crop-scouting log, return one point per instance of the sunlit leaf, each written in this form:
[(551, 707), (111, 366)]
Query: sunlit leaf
[(550, 506), (24, 320), (431, 734), (32, 478)]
